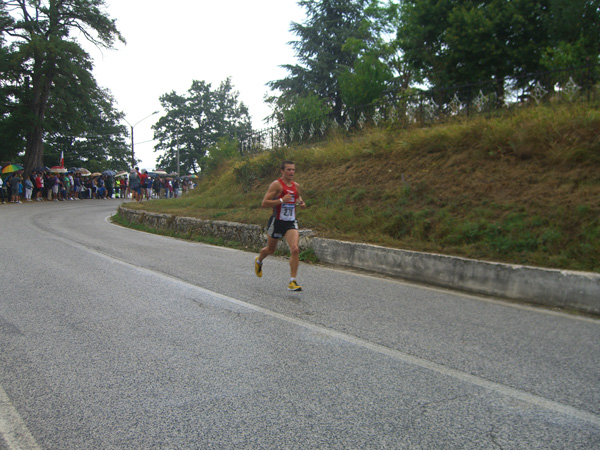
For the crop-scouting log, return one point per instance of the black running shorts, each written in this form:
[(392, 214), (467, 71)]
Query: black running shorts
[(277, 228)]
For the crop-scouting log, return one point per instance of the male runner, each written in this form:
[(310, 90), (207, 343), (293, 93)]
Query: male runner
[(283, 196)]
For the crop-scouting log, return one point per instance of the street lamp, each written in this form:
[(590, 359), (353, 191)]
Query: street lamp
[(132, 126)]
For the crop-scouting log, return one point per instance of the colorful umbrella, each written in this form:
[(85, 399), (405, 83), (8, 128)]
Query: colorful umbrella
[(58, 169), (121, 174), (11, 168)]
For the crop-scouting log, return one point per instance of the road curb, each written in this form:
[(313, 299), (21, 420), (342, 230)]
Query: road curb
[(578, 291)]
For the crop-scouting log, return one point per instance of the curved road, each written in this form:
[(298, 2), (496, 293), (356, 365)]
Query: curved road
[(116, 339)]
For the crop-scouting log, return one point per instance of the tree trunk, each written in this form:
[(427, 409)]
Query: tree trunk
[(34, 150), (42, 82)]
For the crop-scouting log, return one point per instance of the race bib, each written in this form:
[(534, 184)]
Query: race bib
[(288, 211)]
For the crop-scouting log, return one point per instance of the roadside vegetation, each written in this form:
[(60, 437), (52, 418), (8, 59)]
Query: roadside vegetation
[(523, 188)]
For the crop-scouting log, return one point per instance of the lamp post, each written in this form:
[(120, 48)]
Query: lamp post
[(132, 127)]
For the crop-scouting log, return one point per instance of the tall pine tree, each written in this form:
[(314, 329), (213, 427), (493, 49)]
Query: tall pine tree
[(323, 53)]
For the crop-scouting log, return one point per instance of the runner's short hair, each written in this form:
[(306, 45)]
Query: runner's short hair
[(285, 162)]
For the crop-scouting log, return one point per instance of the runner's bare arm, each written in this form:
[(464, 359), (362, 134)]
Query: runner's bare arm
[(272, 193), (300, 202)]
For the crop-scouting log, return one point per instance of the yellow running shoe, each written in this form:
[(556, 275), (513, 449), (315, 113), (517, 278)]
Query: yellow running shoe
[(293, 286), (257, 268)]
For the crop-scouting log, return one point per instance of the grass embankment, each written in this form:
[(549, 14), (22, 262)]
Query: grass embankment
[(521, 189)]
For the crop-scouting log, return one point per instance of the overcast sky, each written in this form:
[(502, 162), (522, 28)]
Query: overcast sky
[(171, 43)]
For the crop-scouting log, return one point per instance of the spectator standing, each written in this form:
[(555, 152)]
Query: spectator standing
[(168, 188), (148, 187), (39, 186), (100, 187), (94, 187), (134, 185), (48, 186), (2, 191), (108, 183), (28, 189), (156, 186), (32, 178), (77, 186), (66, 187), (143, 177), (89, 188), (55, 187), (14, 183), (123, 189), (176, 187), (71, 186)]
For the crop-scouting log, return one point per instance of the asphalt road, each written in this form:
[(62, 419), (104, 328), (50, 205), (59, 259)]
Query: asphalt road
[(116, 339)]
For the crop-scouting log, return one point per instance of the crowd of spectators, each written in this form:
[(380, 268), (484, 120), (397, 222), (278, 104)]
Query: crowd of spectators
[(50, 186)]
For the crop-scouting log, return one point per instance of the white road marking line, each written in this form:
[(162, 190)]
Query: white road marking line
[(13, 430), (429, 365)]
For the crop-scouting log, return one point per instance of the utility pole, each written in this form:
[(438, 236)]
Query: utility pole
[(132, 144)]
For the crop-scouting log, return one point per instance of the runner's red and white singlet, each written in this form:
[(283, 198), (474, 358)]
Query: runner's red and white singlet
[(286, 211)]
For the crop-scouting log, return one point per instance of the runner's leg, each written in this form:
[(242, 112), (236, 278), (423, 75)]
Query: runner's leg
[(293, 237), (269, 249)]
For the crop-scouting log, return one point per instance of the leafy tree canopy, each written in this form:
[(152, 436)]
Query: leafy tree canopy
[(198, 121), (455, 42), (331, 40), (46, 85)]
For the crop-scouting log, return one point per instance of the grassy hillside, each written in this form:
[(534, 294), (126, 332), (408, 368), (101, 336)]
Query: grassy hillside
[(522, 189)]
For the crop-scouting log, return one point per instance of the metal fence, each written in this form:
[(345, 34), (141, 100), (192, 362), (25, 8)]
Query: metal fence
[(425, 107)]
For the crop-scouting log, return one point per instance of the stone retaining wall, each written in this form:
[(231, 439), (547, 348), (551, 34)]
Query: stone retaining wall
[(253, 236)]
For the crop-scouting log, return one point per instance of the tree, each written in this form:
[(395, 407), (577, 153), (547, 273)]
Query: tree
[(574, 30), (365, 84), (196, 122), (96, 137), (454, 42), (12, 139), (43, 54), (322, 52)]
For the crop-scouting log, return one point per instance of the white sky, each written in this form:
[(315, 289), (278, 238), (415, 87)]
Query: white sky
[(171, 43)]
